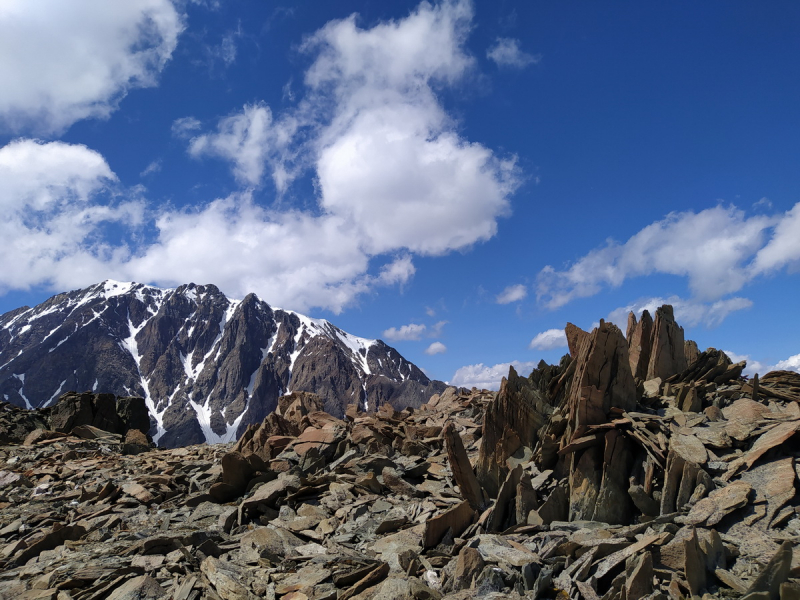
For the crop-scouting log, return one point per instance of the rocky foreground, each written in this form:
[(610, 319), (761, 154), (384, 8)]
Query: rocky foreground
[(636, 468)]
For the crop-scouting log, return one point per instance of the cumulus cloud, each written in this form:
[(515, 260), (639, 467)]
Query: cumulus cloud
[(687, 312), (55, 199), (783, 248), (436, 348), (488, 377), (549, 340), (244, 138), (393, 176), (753, 366), (410, 332), (414, 331), (512, 293), (790, 364), (719, 250), (78, 59), (505, 52)]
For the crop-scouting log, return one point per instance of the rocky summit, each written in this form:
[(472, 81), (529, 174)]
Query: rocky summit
[(206, 365), (638, 467)]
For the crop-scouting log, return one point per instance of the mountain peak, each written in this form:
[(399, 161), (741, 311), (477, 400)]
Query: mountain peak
[(206, 365)]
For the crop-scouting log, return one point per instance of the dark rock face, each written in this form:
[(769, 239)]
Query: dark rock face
[(207, 366)]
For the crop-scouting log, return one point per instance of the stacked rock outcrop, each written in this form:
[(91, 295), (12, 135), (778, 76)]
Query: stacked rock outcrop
[(583, 480)]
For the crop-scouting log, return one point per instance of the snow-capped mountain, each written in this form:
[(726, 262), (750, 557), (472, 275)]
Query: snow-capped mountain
[(207, 366)]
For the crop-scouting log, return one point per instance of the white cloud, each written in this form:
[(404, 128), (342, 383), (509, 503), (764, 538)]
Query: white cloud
[(226, 50), (784, 247), (436, 348), (549, 340), (719, 250), (753, 366), (414, 331), (436, 329), (790, 364), (290, 259), (247, 139), (399, 271), (66, 61), (512, 293), (688, 313), (488, 377), (394, 178), (185, 126), (387, 157), (54, 201), (507, 53), (410, 332), (153, 167)]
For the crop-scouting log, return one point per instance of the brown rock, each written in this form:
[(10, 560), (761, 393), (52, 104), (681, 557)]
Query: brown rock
[(269, 493), (135, 442), (138, 588), (613, 501), (694, 568), (393, 481), (267, 541), (639, 577), (38, 435), (719, 504), (462, 469), (691, 352), (602, 379), (667, 356), (575, 337), (689, 448), (254, 439), (296, 405), (773, 483), (455, 519), (374, 577), (469, 565), (639, 338), (324, 440), (139, 492), (225, 579), (774, 574), (511, 421)]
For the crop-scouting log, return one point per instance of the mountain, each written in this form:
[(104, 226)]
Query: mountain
[(206, 365)]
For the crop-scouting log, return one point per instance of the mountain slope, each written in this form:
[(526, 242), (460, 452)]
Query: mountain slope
[(206, 365)]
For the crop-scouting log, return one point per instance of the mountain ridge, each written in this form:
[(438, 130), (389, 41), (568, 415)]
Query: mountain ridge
[(206, 365)]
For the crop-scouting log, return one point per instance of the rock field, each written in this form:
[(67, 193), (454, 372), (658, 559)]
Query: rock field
[(639, 467)]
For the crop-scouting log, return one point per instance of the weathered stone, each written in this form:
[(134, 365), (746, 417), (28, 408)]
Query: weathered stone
[(667, 346), (225, 579), (393, 481), (639, 577), (511, 421), (455, 519), (719, 504), (775, 573), (575, 337), (694, 567), (639, 338), (462, 469), (469, 565), (143, 587), (268, 541), (602, 378)]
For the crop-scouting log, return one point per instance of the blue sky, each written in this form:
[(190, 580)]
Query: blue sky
[(458, 178)]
